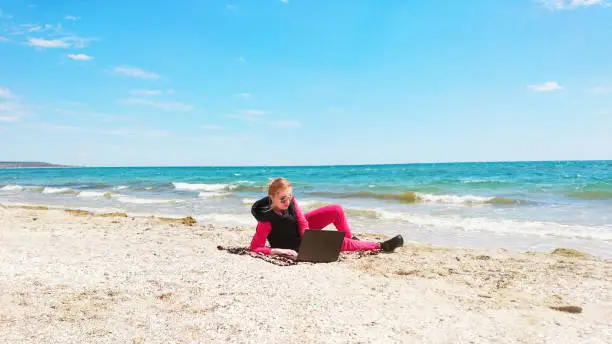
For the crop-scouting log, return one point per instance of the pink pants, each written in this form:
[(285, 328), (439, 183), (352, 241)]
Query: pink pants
[(321, 217)]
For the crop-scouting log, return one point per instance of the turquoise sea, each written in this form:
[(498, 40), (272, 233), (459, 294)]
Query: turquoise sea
[(535, 206)]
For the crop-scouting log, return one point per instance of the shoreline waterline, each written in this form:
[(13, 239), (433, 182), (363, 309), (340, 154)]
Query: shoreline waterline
[(191, 219)]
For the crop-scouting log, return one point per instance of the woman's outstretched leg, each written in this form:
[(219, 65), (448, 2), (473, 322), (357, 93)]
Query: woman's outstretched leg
[(358, 245), (324, 216), (333, 213)]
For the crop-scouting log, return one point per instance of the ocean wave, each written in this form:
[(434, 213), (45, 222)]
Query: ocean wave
[(484, 181), (406, 197), (418, 197), (369, 213), (595, 195), (248, 201), (198, 187), (135, 200), (453, 199), (91, 194), (247, 188), (208, 194), (311, 204), (499, 226), (121, 187), (98, 186), (54, 190), (12, 188)]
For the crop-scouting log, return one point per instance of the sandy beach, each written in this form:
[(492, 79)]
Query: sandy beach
[(77, 277)]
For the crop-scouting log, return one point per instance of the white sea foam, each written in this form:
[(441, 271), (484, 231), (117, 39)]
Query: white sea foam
[(121, 187), (311, 204), (136, 200), (197, 187), (12, 188), (248, 201), (500, 226), (452, 199), (52, 190), (208, 194), (91, 194), (470, 181)]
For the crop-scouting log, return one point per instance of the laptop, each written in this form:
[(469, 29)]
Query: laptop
[(320, 246)]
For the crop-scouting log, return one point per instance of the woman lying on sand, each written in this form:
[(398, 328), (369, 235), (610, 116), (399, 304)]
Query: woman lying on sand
[(282, 223)]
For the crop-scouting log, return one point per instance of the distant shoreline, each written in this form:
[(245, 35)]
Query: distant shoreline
[(30, 164)]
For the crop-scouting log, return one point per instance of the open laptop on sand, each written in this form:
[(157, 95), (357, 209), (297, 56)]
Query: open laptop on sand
[(320, 246)]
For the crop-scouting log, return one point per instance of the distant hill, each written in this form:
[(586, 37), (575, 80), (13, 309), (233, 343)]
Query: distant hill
[(29, 164)]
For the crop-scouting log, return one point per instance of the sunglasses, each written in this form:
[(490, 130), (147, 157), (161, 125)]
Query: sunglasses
[(284, 199)]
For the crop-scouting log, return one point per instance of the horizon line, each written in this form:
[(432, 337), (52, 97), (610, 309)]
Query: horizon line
[(313, 165)]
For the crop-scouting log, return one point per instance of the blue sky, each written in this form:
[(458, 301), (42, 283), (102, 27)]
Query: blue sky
[(303, 82)]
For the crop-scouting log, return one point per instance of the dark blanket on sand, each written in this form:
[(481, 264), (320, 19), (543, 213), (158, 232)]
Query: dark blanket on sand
[(284, 261)]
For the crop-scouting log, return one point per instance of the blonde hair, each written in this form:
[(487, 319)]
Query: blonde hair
[(275, 185)]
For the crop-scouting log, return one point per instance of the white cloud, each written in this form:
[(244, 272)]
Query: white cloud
[(106, 118), (56, 127), (32, 27), (242, 95), (166, 106), (57, 40), (224, 139), (3, 39), (9, 119), (572, 4), (80, 57), (286, 123), (73, 18), (48, 43), (154, 133), (119, 132), (76, 42), (145, 133), (254, 112), (39, 28), (149, 92), (601, 90), (211, 127), (6, 93), (546, 87), (11, 111), (135, 72), (248, 114)]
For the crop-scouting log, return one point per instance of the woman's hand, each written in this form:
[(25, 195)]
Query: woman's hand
[(284, 252)]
